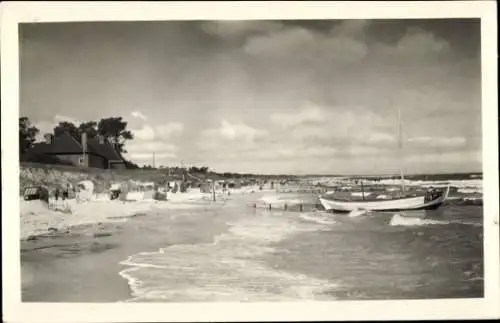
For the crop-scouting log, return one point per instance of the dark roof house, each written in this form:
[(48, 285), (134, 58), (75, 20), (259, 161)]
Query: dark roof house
[(99, 153)]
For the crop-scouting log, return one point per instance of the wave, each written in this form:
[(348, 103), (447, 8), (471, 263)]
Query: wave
[(318, 217), (476, 183), (470, 190), (357, 213), (463, 200), (398, 220), (226, 269)]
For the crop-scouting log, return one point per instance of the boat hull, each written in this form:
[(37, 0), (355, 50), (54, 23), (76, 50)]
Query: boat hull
[(403, 204)]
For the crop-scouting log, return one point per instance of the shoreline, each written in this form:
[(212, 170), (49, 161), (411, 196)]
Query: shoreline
[(39, 220), (90, 255)]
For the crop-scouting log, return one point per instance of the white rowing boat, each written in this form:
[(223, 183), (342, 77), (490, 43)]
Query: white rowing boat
[(397, 204)]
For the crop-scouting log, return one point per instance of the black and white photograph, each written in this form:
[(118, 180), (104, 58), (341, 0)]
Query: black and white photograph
[(246, 161)]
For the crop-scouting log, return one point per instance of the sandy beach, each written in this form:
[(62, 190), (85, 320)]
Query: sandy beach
[(246, 246), (77, 255)]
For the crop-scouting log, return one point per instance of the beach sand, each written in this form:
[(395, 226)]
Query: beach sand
[(76, 257)]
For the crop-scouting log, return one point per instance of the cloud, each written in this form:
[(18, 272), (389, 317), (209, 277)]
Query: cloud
[(234, 132), (362, 150), (231, 28), (420, 42), (416, 43), (60, 118), (142, 151), (147, 132), (350, 28), (151, 146), (439, 142), (307, 115), (164, 131), (343, 124), (47, 126), (451, 158), (139, 115), (169, 129), (301, 43), (154, 139), (378, 137), (279, 42), (147, 158)]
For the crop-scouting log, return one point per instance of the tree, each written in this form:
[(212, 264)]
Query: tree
[(27, 134), (194, 169), (69, 127), (90, 127), (130, 165), (114, 129)]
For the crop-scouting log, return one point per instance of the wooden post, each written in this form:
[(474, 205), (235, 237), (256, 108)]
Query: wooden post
[(213, 191), (301, 207), (362, 190), (286, 206), (269, 206)]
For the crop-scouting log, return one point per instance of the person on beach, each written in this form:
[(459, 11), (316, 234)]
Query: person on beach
[(56, 198), (65, 193)]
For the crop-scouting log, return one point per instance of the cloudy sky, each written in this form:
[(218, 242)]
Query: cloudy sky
[(267, 96)]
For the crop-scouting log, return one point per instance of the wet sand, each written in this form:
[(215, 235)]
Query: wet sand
[(75, 265), (81, 263)]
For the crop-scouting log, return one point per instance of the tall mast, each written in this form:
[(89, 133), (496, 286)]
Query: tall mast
[(400, 146)]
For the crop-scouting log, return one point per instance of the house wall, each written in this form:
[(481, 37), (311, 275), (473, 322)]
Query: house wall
[(96, 161), (89, 161), (117, 166), (73, 158)]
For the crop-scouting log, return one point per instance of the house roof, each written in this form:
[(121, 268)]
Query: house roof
[(105, 150), (62, 144), (66, 144)]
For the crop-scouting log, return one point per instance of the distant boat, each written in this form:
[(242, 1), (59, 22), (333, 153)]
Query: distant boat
[(430, 200)]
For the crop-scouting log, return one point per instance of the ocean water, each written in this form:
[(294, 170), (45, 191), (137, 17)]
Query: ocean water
[(257, 254)]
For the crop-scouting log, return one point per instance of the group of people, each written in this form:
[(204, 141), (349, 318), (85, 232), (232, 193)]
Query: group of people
[(63, 193), (432, 194)]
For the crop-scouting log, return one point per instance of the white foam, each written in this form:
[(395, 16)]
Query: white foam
[(398, 220), (357, 213), (225, 269), (477, 198), (468, 190), (318, 218)]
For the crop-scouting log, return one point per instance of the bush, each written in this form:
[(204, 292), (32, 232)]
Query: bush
[(45, 159)]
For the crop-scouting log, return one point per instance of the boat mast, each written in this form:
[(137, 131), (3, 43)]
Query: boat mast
[(400, 141)]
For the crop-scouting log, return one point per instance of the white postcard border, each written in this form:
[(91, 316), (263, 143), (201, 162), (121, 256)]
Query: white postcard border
[(14, 311)]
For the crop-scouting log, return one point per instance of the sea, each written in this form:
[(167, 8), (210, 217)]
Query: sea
[(244, 252)]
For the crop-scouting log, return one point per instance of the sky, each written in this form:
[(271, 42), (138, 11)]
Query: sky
[(292, 96)]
